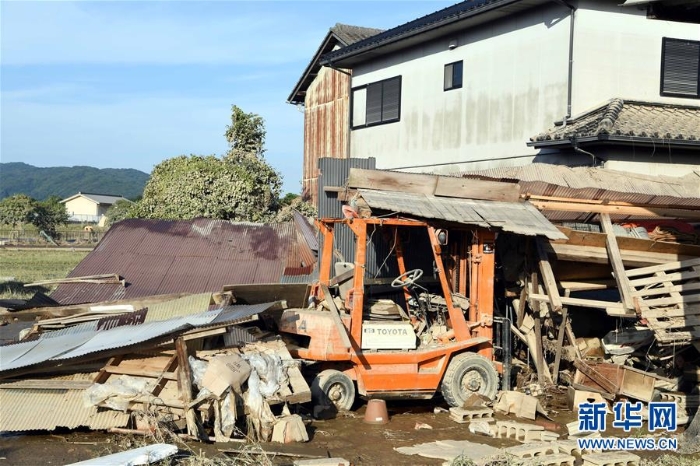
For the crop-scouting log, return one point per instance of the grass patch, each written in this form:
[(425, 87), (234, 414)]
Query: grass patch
[(26, 266)]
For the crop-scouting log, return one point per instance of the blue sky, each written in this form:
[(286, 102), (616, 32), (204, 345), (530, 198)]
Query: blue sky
[(127, 84)]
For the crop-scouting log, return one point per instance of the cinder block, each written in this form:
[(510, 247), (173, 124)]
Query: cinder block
[(611, 458), (463, 415), (531, 450), (518, 431), (570, 447)]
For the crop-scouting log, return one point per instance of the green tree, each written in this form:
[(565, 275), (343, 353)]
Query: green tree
[(240, 186), (119, 211), (17, 210), (246, 133), (48, 215)]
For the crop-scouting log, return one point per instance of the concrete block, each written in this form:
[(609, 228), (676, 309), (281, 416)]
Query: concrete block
[(611, 458), (464, 415), (517, 430), (532, 450)]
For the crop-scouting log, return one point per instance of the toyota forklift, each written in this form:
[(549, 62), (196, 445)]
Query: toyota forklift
[(433, 333)]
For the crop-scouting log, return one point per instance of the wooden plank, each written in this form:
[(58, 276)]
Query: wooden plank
[(633, 211), (589, 238), (587, 285), (682, 264), (550, 283), (668, 277), (598, 255), (612, 308), (184, 384), (392, 181), (673, 322), (672, 312), (596, 376), (615, 256), (669, 289), (560, 344), (140, 373), (46, 384), (434, 185), (688, 299), (335, 314), (293, 293), (464, 188), (103, 375)]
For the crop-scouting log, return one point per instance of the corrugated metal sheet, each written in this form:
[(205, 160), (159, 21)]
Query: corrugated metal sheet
[(336, 173), (73, 345), (591, 183), (598, 183), (32, 409), (326, 125), (192, 304), (515, 217), (159, 257)]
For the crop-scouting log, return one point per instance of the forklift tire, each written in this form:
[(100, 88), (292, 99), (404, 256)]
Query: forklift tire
[(332, 387), (468, 373)]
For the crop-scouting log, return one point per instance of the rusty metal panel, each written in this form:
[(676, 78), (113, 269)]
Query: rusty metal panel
[(33, 409), (326, 125), (161, 257), (179, 307)]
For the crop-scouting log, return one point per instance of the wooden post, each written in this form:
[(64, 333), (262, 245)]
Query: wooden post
[(616, 262), (550, 283), (560, 341), (184, 385)]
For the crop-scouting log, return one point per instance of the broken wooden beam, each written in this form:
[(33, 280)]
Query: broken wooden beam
[(613, 309), (550, 283), (618, 267)]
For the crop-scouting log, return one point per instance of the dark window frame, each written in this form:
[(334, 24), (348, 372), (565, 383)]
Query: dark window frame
[(382, 121), (664, 41), (461, 75)]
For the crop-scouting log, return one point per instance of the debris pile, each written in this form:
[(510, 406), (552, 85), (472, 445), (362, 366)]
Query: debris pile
[(197, 367)]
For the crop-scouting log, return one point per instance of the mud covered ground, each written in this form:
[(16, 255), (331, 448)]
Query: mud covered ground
[(346, 436)]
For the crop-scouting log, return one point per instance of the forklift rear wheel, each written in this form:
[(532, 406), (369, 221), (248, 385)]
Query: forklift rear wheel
[(334, 387), (468, 373)]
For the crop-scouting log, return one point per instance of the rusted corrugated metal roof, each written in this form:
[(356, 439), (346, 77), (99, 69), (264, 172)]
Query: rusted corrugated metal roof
[(598, 183), (202, 255), (515, 217), (34, 409)]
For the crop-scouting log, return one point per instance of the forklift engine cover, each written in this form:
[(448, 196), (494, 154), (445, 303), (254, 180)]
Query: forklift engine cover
[(388, 335)]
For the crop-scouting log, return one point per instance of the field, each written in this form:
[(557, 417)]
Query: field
[(20, 266)]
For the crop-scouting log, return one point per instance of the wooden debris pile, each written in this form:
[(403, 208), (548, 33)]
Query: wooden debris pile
[(187, 364)]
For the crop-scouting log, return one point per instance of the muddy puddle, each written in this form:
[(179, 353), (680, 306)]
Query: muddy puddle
[(346, 436)]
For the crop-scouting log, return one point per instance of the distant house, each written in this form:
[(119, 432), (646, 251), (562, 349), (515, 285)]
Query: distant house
[(325, 94), (89, 207)]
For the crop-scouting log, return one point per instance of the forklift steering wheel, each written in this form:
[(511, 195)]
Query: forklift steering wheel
[(407, 278)]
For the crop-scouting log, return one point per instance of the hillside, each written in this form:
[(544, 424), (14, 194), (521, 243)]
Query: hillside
[(40, 183)]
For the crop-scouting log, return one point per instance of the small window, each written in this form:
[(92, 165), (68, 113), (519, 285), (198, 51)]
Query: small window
[(680, 68), (453, 75), (376, 103)]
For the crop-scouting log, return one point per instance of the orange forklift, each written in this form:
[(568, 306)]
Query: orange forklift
[(435, 333)]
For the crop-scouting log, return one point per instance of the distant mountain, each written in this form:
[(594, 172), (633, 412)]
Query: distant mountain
[(40, 183)]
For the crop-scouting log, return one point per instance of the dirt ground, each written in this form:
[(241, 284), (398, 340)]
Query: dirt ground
[(346, 436)]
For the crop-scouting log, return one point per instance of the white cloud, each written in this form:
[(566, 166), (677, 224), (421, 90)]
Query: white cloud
[(150, 32)]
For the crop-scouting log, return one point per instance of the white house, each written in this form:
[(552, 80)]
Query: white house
[(489, 83), (89, 207)]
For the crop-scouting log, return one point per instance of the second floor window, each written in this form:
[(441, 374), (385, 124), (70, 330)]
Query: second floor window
[(680, 68), (376, 103), (453, 75)]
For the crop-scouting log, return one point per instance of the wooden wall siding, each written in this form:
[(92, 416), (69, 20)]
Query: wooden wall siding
[(325, 125)]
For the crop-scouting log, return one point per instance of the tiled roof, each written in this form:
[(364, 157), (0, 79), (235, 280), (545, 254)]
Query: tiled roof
[(448, 20), (348, 34), (628, 120), (339, 35)]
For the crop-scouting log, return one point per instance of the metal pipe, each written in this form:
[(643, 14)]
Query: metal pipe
[(569, 84)]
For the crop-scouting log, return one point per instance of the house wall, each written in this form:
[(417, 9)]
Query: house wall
[(660, 160), (514, 86), (617, 53), (325, 125), (81, 206)]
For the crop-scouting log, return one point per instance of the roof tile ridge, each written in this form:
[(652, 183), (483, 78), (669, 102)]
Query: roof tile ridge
[(610, 115)]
